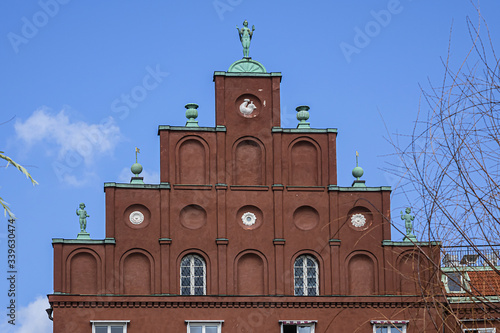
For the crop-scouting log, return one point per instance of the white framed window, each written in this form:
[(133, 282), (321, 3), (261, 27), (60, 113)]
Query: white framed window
[(305, 276), (389, 326), (298, 326), (455, 282), (480, 330), (193, 275), (208, 326), (109, 326)]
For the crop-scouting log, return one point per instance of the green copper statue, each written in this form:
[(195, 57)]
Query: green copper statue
[(82, 213), (408, 224), (245, 37)]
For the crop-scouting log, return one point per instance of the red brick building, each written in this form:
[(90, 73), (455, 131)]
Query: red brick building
[(247, 231), (471, 281)]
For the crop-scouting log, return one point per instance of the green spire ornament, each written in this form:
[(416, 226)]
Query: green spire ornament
[(136, 170), (357, 173)]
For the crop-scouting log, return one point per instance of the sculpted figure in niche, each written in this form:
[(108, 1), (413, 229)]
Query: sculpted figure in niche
[(245, 37), (82, 214), (247, 107)]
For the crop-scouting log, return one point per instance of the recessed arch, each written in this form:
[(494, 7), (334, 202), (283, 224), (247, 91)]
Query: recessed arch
[(192, 161), (249, 162), (362, 273), (83, 272), (304, 162), (251, 273), (411, 273), (137, 272)]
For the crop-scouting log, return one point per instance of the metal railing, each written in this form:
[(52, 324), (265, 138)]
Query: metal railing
[(468, 256)]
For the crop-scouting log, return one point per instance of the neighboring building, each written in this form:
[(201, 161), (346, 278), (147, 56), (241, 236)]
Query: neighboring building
[(471, 279), (247, 231)]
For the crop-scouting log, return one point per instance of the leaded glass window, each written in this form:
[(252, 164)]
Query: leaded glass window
[(306, 276), (193, 275)]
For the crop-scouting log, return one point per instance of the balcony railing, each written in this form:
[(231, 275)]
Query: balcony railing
[(468, 256)]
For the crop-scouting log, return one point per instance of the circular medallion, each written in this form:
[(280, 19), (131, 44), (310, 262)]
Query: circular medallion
[(358, 220), (136, 217), (193, 217), (248, 219), (247, 107)]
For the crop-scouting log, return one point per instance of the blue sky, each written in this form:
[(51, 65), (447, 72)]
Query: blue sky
[(68, 66)]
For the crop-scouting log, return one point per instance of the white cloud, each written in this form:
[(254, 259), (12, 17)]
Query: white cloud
[(152, 177), (30, 319), (78, 138)]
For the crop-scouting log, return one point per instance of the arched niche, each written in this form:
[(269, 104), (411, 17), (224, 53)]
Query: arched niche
[(305, 166), (412, 273), (249, 162), (192, 159), (84, 272), (362, 275), (137, 273), (251, 274)]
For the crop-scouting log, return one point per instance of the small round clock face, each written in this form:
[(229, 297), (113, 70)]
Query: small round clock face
[(248, 219), (136, 217), (358, 220)]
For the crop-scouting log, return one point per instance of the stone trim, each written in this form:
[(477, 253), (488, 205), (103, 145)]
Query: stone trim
[(303, 130), (358, 189), (83, 241), (165, 186), (230, 304)]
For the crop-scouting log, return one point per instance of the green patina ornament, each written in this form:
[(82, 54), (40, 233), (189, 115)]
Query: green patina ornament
[(302, 116), (408, 225), (136, 169), (245, 37), (191, 114), (357, 173), (247, 65), (82, 217)]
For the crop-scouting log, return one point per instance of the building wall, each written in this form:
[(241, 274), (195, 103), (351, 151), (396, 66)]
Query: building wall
[(211, 178)]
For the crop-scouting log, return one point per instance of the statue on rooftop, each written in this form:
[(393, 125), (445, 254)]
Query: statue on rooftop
[(408, 224), (245, 37), (82, 214)]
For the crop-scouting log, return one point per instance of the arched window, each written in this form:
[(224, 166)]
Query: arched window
[(306, 276), (193, 275)]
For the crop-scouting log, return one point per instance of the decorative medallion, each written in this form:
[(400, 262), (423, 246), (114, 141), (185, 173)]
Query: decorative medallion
[(248, 219), (247, 65), (247, 107), (136, 217), (358, 220)]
